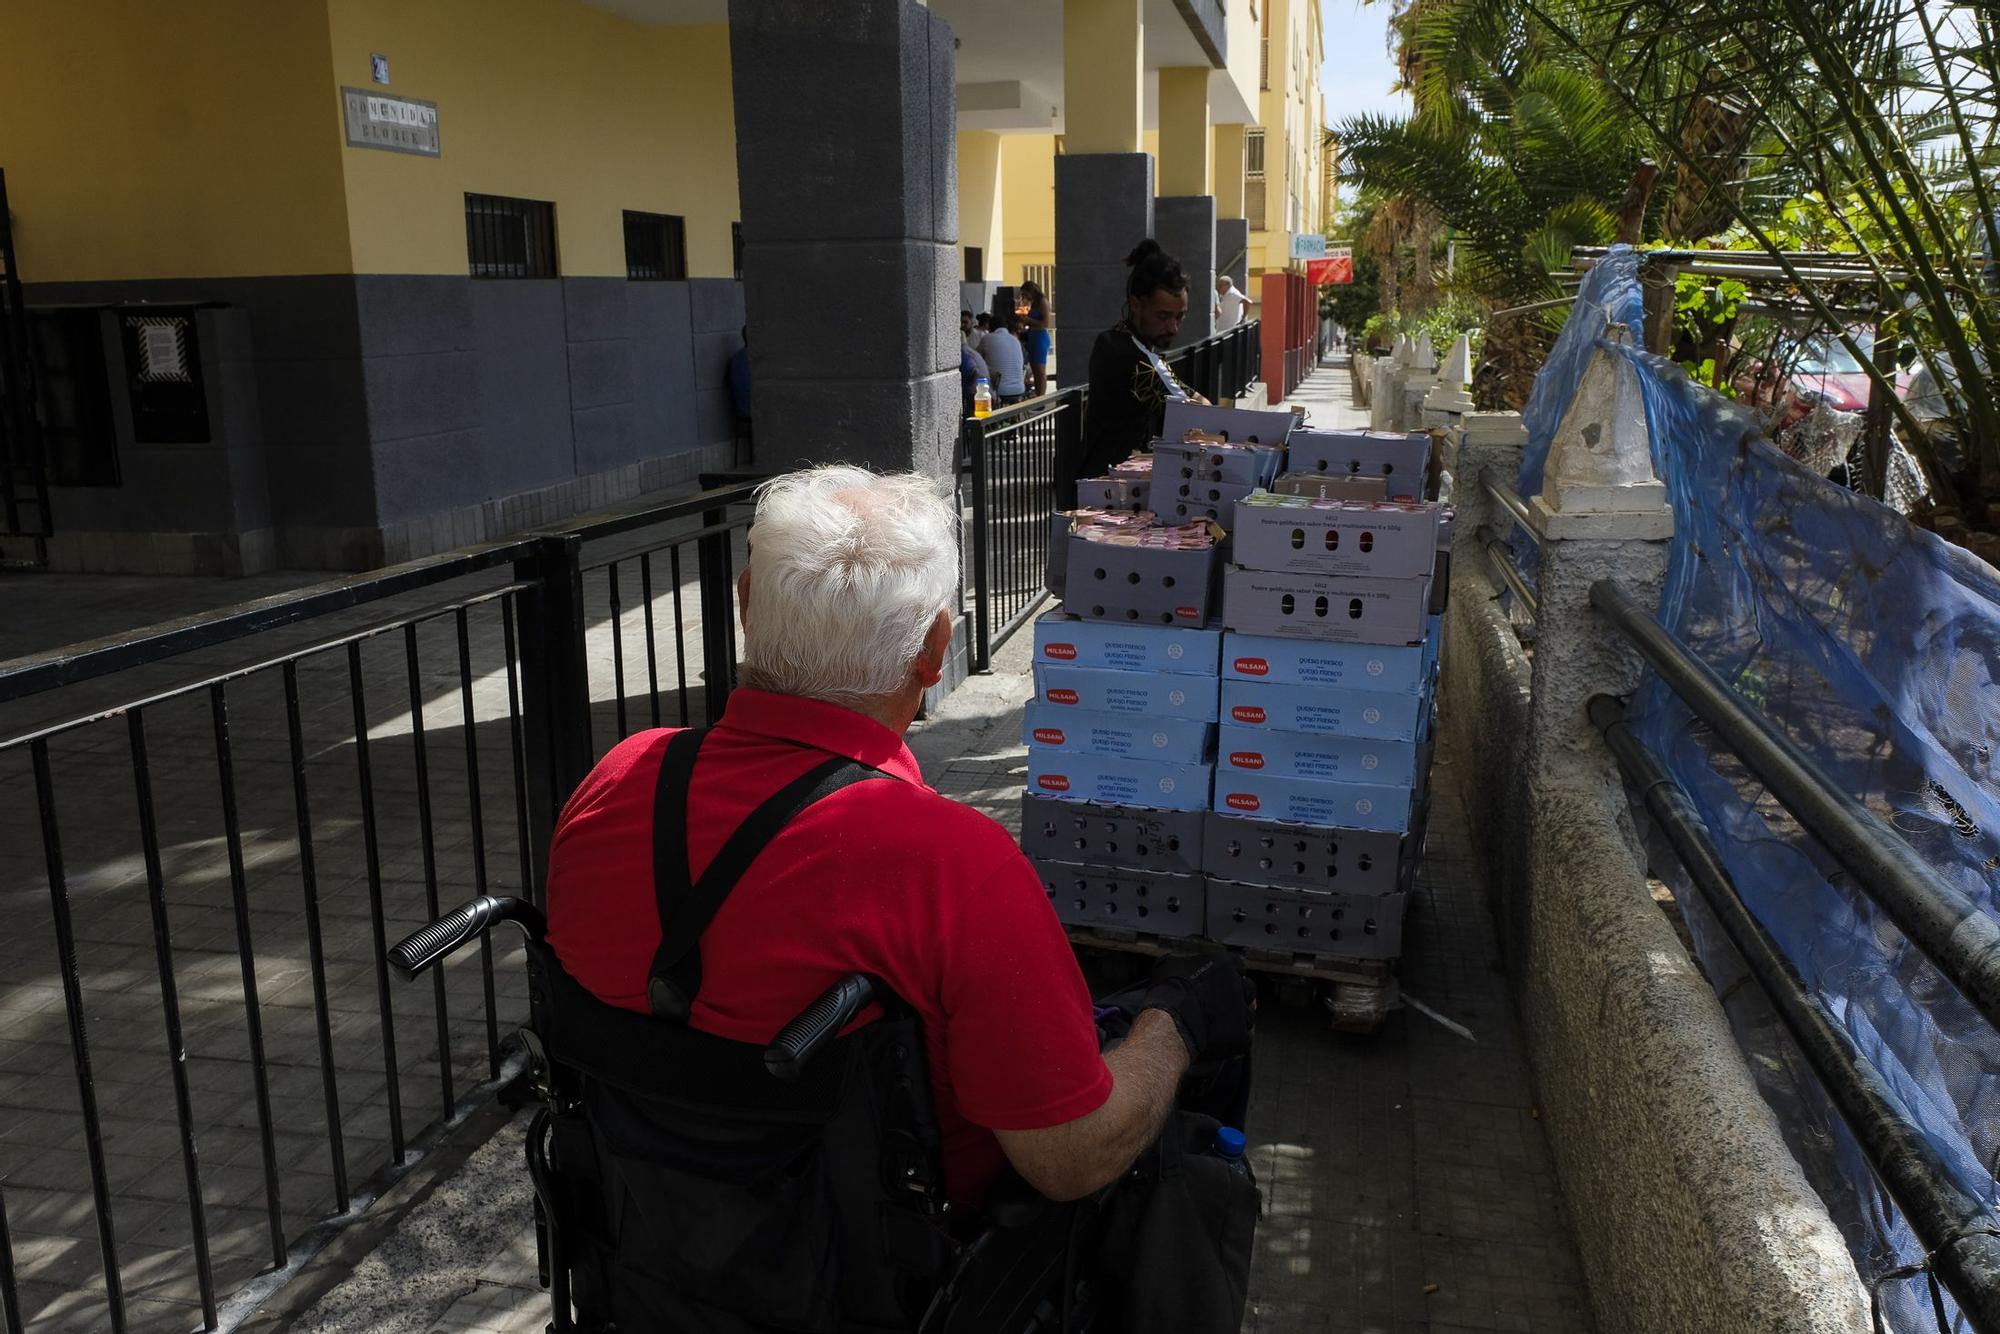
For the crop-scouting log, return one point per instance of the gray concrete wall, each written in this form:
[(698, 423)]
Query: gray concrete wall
[(847, 171), (1693, 1216), (1232, 252), (372, 418), (1104, 207), (1184, 225)]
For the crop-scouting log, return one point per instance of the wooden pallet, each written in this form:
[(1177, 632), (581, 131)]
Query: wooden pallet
[(1359, 993)]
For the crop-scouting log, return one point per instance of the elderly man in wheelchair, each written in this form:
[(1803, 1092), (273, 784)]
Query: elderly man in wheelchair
[(813, 1051)]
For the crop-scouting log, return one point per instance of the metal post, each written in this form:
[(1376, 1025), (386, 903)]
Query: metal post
[(555, 681), (718, 612), (982, 523)]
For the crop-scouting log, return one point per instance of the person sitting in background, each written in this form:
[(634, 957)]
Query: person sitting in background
[(968, 329), (971, 370), (1006, 361)]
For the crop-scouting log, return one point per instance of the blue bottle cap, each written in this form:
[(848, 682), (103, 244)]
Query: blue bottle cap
[(1229, 1142)]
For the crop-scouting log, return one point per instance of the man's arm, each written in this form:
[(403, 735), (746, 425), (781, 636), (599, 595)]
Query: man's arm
[(1069, 1161)]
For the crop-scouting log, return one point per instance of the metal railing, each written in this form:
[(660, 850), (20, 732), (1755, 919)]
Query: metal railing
[(1958, 1227), (1010, 462), (325, 809), (1009, 469), (1221, 367)]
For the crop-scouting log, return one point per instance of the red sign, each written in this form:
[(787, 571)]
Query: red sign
[(1054, 782), (1062, 696), (1188, 613), (1338, 267), (1049, 736), (1246, 759), (1061, 652), (1253, 666), (1241, 801), (1247, 713)]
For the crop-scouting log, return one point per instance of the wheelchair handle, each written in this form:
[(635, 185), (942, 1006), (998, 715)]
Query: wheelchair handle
[(797, 1041), (467, 922)]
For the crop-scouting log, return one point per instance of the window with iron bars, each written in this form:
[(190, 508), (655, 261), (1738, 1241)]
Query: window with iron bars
[(1253, 177), (510, 238), (655, 247)]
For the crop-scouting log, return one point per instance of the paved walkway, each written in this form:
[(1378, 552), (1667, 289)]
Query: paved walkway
[(1407, 1184)]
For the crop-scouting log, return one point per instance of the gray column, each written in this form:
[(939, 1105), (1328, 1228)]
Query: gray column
[(1184, 225), (847, 171), (1104, 207), (1232, 252)]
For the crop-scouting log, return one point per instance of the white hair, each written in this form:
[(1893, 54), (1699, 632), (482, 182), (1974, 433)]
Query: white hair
[(848, 572)]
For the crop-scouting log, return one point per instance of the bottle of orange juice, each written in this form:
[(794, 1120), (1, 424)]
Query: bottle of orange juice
[(982, 398)]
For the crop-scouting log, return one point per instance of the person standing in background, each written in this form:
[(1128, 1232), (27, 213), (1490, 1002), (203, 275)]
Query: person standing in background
[(1035, 342), (1230, 304), (1130, 383), (1005, 360)]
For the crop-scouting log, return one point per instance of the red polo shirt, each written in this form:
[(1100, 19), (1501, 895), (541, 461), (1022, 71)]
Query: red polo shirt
[(882, 877)]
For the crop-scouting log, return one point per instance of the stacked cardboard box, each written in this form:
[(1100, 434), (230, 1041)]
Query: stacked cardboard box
[(1323, 749), (1230, 734), (1121, 761)]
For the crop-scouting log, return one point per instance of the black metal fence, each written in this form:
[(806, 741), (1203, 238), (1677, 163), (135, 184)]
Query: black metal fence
[(1224, 366), (1009, 466), (205, 878), (1010, 471)]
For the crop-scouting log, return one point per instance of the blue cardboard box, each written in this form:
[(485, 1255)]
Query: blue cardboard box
[(1366, 806), (1384, 715), (1311, 662), (1333, 759), (1072, 775), (1180, 740), (1073, 641), (1101, 690)]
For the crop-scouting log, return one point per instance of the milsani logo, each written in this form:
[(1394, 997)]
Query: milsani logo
[(1253, 666), (1237, 801), (1049, 736), (1245, 759), (1247, 713), (1061, 696), (1188, 613), (1053, 782), (1062, 651)]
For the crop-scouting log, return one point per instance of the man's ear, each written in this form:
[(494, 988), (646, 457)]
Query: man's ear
[(937, 643)]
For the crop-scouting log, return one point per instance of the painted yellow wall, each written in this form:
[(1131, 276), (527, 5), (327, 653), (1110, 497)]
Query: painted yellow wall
[(1028, 202), (981, 205), (1226, 152), (1104, 76), (1182, 165), (541, 99), (1293, 122), (1244, 25), (148, 140)]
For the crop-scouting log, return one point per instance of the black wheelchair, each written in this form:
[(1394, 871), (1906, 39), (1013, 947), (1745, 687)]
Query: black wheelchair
[(686, 1182)]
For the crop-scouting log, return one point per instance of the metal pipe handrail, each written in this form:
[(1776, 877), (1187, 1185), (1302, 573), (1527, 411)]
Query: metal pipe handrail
[(1953, 931), (1510, 499), (73, 663), (1502, 558), (1958, 1229)]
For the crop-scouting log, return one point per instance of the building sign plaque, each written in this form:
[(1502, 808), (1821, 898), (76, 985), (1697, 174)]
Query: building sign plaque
[(398, 124), (1306, 245)]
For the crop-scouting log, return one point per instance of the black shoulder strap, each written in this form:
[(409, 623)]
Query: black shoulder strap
[(687, 907)]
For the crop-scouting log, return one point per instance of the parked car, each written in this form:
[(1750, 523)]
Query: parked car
[(1818, 368)]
